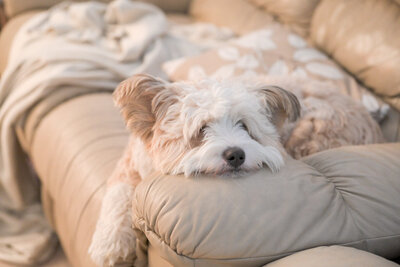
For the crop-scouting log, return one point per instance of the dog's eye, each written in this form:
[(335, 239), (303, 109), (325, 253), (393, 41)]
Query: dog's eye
[(197, 139), (202, 129), (243, 125)]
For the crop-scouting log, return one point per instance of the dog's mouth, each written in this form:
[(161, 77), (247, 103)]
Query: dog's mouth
[(231, 172), (228, 171), (224, 172)]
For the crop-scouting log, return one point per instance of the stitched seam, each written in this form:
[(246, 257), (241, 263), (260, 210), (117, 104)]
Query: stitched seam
[(78, 223), (141, 219), (347, 207)]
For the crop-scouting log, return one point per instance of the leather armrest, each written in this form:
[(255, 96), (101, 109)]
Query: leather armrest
[(348, 196), (8, 33), (331, 257)]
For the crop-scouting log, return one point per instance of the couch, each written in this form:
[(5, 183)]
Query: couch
[(348, 196)]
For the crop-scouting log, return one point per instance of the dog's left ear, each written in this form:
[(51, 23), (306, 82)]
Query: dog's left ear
[(143, 99), (280, 104)]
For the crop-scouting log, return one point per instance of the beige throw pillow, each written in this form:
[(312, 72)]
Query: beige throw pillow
[(272, 51)]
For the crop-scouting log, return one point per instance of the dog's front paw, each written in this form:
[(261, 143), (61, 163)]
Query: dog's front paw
[(114, 240), (107, 248)]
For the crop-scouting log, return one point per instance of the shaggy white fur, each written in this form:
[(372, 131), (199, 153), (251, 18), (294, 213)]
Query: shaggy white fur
[(219, 128), (114, 238)]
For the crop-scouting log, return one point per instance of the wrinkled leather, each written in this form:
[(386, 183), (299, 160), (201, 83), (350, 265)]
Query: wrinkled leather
[(296, 14), (8, 33), (74, 150), (348, 196), (76, 145), (332, 256), (239, 15), (364, 37), (15, 7)]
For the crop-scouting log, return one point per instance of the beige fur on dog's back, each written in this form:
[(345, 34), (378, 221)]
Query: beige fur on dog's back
[(329, 119)]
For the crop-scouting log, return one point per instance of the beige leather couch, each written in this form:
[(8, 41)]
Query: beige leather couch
[(348, 196)]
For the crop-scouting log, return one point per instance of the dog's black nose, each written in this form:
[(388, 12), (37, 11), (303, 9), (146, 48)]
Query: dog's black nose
[(234, 156)]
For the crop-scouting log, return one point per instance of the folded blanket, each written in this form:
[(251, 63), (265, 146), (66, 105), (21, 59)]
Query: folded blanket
[(74, 49)]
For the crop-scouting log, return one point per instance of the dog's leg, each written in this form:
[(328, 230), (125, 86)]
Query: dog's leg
[(114, 239)]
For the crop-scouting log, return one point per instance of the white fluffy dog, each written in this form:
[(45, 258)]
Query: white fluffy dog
[(218, 128)]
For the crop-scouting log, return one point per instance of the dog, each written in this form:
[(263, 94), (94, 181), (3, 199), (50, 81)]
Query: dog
[(218, 128)]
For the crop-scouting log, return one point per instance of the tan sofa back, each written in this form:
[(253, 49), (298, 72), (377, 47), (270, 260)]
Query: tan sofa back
[(364, 37), (295, 13), (15, 7)]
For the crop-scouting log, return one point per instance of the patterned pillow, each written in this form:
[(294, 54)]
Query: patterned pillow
[(272, 51)]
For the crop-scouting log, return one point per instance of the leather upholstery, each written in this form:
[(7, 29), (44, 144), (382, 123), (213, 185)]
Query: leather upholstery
[(296, 14), (15, 7), (332, 256), (8, 33), (75, 146), (239, 15), (364, 37), (348, 196), (74, 150)]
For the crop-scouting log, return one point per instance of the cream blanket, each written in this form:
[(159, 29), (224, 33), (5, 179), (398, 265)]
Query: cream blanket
[(75, 48)]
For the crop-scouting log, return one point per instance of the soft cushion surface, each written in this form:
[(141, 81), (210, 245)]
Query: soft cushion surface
[(74, 150), (8, 33), (364, 37), (296, 13), (349, 195), (332, 256), (273, 50), (240, 15), (15, 7)]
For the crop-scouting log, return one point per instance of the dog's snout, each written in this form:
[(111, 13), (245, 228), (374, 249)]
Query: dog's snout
[(234, 156)]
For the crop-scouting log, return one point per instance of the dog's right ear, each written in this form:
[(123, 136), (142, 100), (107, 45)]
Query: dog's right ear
[(281, 105), (138, 98)]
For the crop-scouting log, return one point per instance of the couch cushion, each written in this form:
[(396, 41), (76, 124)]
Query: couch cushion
[(74, 150), (364, 37), (274, 50), (239, 15), (332, 256), (391, 126), (349, 195), (15, 7), (8, 33), (295, 13)]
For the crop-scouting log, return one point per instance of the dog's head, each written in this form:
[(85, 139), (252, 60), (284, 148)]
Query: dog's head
[(212, 127)]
